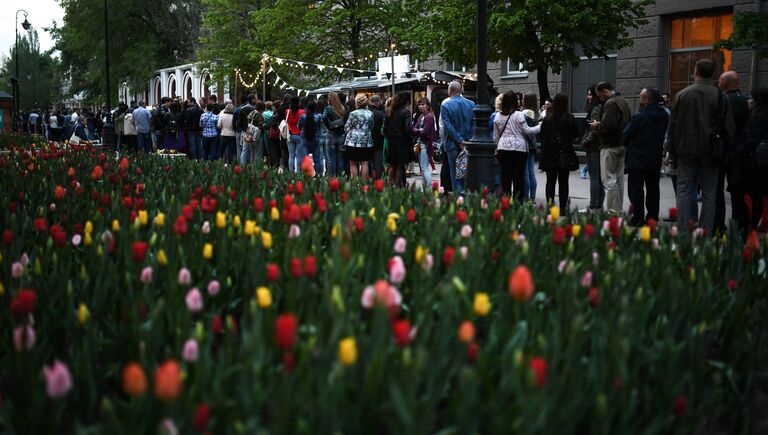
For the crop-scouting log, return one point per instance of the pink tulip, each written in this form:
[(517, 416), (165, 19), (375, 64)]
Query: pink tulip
[(460, 201), (294, 231), (190, 352), (185, 277), (17, 269), (76, 239), (586, 280), (168, 427), (146, 275), (206, 228), (561, 266), (381, 293), (397, 270), (595, 258), (464, 251), (58, 380), (214, 287), (24, 337), (24, 259), (400, 245), (429, 261), (466, 231), (194, 300), (673, 231)]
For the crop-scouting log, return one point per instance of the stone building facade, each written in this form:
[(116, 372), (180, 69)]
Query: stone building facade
[(662, 55)]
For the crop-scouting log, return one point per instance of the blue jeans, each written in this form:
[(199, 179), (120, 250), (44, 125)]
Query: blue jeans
[(691, 173), (195, 142), (144, 141), (334, 163), (451, 155), (239, 146), (529, 178), (296, 153), (210, 148), (321, 154), (426, 169)]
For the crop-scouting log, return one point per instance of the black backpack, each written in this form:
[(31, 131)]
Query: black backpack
[(172, 124), (158, 120)]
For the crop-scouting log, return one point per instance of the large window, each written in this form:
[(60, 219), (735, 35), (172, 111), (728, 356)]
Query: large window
[(692, 39), (590, 71), (510, 69), (455, 66)]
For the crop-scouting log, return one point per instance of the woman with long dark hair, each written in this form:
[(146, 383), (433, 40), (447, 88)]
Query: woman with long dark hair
[(397, 129), (334, 120), (309, 123), (172, 129), (590, 142), (425, 133), (509, 132), (558, 130), (756, 152)]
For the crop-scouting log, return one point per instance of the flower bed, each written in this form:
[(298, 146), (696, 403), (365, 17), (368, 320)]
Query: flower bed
[(141, 296)]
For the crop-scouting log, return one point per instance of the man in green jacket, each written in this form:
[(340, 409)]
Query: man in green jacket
[(614, 118), (696, 113)]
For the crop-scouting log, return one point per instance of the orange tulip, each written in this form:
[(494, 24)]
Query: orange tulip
[(467, 332), (168, 381), (308, 166), (59, 192), (96, 173), (521, 284), (134, 380)]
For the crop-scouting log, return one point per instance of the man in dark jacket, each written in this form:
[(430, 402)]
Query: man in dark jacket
[(194, 135), (613, 120), (694, 118), (736, 166), (644, 141), (378, 138)]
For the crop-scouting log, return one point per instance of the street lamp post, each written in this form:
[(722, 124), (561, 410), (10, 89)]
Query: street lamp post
[(392, 63), (480, 149), (26, 25), (107, 130)]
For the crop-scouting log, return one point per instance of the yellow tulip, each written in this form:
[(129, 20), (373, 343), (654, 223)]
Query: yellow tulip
[(266, 239), (115, 226), (372, 213), (83, 314), (554, 212), (576, 230), (391, 225), (275, 214), (2, 289), (87, 240), (263, 297), (236, 221), (421, 253), (348, 351), (482, 304), (208, 251), (88, 227), (160, 219), (162, 259), (645, 233), (221, 219), (335, 231), (143, 217), (250, 227)]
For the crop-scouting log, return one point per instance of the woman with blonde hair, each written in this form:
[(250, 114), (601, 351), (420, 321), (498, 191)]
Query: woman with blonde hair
[(227, 144), (359, 140), (334, 118)]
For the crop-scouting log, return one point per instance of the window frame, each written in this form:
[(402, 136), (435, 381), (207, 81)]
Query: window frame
[(614, 55), (506, 73)]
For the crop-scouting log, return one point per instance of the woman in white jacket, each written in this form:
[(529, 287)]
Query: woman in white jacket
[(509, 130)]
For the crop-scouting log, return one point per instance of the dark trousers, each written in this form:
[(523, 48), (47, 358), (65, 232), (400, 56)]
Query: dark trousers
[(445, 176), (210, 148), (227, 148), (284, 153), (559, 177), (512, 165), (275, 154), (642, 199)]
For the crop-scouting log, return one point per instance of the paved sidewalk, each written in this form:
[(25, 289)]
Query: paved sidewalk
[(579, 191)]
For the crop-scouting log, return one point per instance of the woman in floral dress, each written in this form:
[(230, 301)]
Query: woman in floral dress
[(359, 142)]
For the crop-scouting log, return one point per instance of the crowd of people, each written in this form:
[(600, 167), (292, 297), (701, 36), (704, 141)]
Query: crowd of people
[(59, 124), (708, 139)]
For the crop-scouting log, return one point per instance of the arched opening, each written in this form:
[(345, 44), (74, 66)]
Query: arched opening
[(206, 84), (172, 86), (157, 90), (124, 92), (187, 85)]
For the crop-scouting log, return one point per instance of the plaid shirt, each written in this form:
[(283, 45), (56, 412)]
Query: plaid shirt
[(208, 123)]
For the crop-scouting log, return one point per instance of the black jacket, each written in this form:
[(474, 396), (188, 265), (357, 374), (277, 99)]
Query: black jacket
[(192, 118), (553, 143), (644, 138), (242, 116), (378, 123), (400, 125)]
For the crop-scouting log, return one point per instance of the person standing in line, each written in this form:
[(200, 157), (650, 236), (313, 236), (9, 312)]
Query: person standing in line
[(458, 125), (334, 119), (735, 168), (531, 112), (246, 153), (359, 138), (509, 130), (296, 151), (281, 111), (266, 114), (272, 126), (558, 131), (208, 122), (377, 162), (590, 142), (192, 120), (309, 123), (141, 119), (227, 140), (757, 182), (119, 123), (236, 126), (696, 113), (425, 133), (397, 128), (614, 118), (131, 138), (172, 134), (644, 140)]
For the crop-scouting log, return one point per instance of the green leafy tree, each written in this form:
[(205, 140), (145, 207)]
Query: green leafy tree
[(143, 34), (38, 73), (543, 35), (750, 29)]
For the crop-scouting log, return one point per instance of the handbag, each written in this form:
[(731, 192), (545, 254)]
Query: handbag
[(569, 160), (761, 153), (717, 141), (251, 131), (74, 139)]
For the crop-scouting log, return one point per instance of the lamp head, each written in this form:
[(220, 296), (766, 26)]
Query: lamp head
[(26, 25)]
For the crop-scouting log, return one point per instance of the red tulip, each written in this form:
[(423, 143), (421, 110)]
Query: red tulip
[(461, 216), (411, 215), (286, 326), (594, 296), (521, 285), (24, 303), (296, 269), (202, 412), (139, 251), (558, 235), (7, 237), (680, 406), (379, 184), (359, 224), (258, 204), (448, 254), (180, 226), (334, 184), (310, 266), (273, 272), (401, 329), (41, 225), (472, 349), (538, 367)]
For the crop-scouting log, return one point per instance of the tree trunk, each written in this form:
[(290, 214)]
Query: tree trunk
[(541, 78)]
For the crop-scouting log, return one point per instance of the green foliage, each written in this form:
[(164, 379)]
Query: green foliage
[(143, 34), (749, 29), (39, 73), (541, 34)]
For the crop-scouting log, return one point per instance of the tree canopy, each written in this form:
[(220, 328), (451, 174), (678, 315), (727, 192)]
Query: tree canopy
[(39, 73), (143, 34), (750, 29)]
